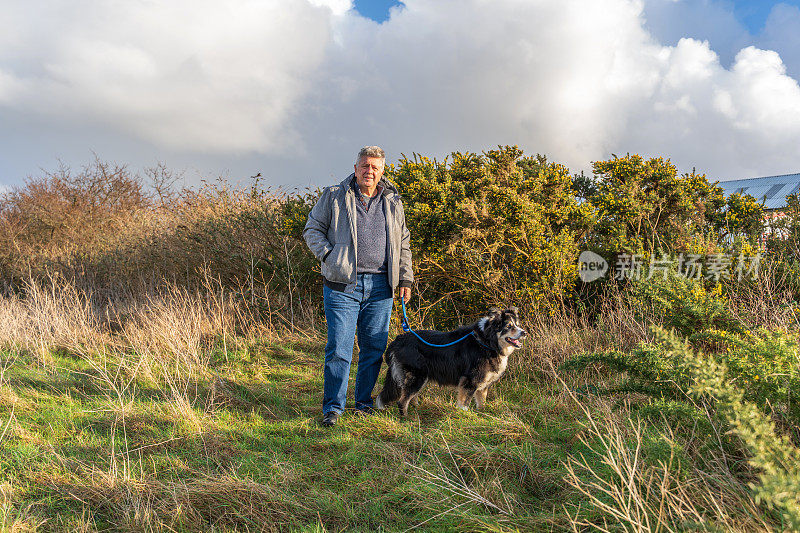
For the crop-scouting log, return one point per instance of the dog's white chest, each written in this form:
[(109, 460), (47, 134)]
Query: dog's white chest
[(494, 375), (502, 366)]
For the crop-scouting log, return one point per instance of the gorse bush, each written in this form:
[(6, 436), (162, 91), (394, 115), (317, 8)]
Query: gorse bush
[(741, 390), (775, 456), (490, 229), (644, 205), (765, 364), (681, 302)]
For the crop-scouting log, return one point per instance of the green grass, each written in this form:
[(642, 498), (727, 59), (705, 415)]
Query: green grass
[(249, 455)]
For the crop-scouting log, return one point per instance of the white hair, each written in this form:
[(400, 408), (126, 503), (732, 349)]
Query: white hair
[(371, 151)]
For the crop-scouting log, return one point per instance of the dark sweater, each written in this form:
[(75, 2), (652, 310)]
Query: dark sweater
[(371, 233)]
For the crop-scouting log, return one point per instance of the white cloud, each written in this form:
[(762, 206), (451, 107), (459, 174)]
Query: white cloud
[(201, 75), (337, 7), (570, 79), (737, 122), (305, 84)]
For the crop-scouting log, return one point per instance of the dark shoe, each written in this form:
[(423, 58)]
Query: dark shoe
[(330, 418), (366, 411)]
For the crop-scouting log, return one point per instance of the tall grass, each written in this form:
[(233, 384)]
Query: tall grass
[(52, 317), (632, 492), (110, 233)]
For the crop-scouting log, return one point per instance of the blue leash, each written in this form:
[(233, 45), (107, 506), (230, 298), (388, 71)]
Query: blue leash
[(407, 329)]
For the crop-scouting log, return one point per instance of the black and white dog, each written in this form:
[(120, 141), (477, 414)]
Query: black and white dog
[(471, 365)]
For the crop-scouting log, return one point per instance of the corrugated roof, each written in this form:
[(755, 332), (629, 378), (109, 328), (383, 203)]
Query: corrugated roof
[(773, 190)]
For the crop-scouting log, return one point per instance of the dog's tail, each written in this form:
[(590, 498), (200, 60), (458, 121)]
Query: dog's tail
[(391, 386)]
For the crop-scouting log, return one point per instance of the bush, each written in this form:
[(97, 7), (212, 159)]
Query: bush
[(63, 218), (765, 364), (644, 205), (681, 303), (751, 377), (491, 229)]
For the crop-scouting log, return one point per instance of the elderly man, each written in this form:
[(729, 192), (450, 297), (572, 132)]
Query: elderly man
[(357, 230)]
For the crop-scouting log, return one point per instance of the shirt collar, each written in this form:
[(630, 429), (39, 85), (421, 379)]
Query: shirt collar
[(364, 199)]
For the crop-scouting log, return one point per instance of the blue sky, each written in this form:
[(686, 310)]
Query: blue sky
[(728, 25), (753, 13), (293, 88), (377, 10)]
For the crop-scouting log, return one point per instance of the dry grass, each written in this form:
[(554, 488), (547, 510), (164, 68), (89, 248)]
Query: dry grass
[(171, 335), (553, 339), (51, 317), (112, 233), (637, 495), (15, 519), (767, 303), (192, 504), (450, 475), (163, 341)]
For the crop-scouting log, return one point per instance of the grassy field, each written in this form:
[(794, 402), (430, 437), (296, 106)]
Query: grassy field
[(179, 412), (86, 447)]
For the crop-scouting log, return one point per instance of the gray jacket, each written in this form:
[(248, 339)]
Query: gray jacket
[(330, 233)]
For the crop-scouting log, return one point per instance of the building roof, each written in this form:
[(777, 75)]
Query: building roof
[(773, 190)]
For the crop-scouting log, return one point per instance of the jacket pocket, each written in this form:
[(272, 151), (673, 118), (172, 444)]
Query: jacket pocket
[(334, 268)]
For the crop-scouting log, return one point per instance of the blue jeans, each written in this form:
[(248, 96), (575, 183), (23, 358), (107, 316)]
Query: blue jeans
[(367, 307)]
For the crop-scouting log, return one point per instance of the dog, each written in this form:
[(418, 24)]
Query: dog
[(471, 365)]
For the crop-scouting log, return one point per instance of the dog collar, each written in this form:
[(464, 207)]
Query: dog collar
[(479, 342)]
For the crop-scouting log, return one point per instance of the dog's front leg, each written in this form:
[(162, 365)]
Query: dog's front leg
[(480, 398), (466, 390), (402, 403)]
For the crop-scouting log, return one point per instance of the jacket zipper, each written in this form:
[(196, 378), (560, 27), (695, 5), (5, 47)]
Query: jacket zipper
[(350, 206), (389, 219)]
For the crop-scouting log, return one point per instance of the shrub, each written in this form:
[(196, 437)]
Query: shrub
[(59, 219), (682, 303), (644, 205), (729, 385), (765, 365), (775, 457), (491, 229)]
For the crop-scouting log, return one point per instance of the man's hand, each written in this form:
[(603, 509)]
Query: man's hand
[(405, 293)]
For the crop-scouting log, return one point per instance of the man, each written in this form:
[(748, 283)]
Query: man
[(357, 230)]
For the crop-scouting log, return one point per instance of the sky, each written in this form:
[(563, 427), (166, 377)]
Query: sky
[(291, 89)]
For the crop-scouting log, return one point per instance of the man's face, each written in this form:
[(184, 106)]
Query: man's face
[(369, 171)]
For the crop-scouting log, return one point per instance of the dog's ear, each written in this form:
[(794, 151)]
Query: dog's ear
[(514, 311), (491, 317)]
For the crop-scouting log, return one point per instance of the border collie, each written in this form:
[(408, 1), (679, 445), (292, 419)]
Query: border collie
[(471, 365)]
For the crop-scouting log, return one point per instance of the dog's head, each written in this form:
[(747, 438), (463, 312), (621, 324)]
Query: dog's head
[(502, 327)]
